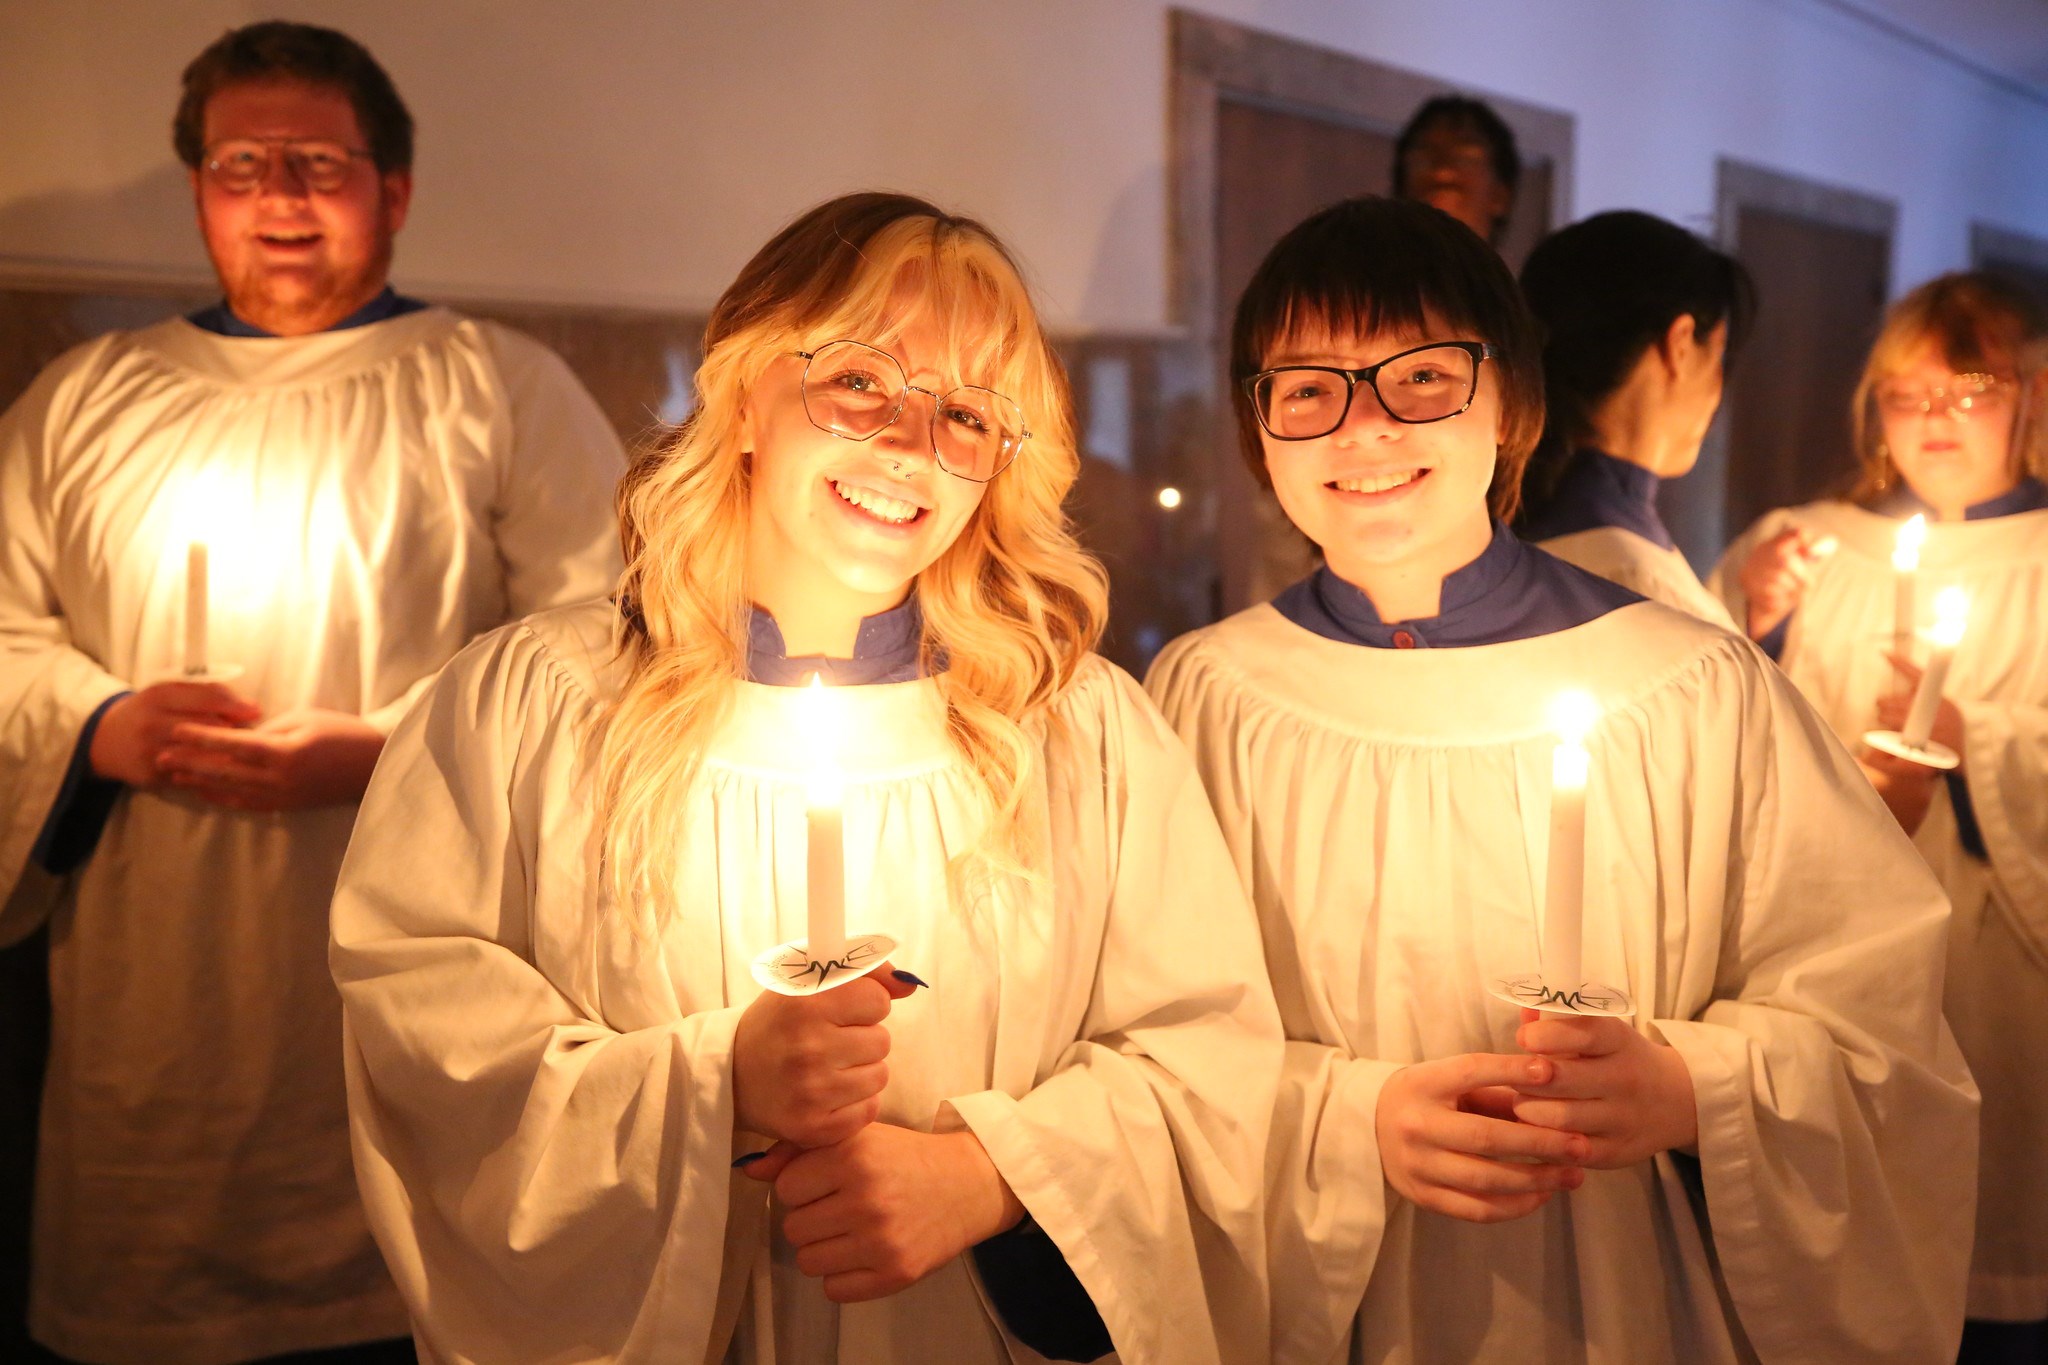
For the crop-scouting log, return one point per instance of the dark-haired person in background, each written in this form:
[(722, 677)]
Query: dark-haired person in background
[(1458, 155), (1772, 1160), (1638, 317), (377, 482)]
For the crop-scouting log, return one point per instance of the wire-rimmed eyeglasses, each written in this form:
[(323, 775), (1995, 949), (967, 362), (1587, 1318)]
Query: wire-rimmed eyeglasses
[(857, 391)]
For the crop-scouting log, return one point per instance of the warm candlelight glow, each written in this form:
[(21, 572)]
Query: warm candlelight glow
[(1573, 715), (1951, 617), (825, 834), (1912, 535), (1169, 498)]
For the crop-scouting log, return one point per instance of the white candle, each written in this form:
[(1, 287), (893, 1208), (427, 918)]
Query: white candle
[(1951, 615), (195, 608), (1573, 715), (825, 875), (1905, 568)]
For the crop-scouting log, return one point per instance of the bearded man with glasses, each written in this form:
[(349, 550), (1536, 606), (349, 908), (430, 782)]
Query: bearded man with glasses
[(233, 547)]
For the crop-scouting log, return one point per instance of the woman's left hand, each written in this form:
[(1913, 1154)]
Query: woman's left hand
[(1630, 1097), (880, 1211)]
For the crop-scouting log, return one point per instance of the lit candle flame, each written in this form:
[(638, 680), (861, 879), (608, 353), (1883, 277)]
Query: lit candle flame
[(1573, 715), (823, 783), (1912, 535), (1951, 616)]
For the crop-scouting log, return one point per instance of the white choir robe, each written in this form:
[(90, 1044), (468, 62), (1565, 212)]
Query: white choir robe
[(542, 1095), (1642, 566), (374, 498), (1388, 809), (1998, 946)]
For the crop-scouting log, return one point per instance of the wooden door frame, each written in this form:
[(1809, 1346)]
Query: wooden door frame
[(1739, 185), (1212, 59), (1990, 243)]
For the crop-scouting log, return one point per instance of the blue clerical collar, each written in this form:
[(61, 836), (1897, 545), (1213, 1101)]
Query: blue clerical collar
[(1598, 490), (885, 650), (2028, 495), (221, 320), (1512, 591)]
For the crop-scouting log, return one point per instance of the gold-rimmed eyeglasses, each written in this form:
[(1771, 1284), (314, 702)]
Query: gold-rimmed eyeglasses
[(856, 391), (240, 164), (1962, 397)]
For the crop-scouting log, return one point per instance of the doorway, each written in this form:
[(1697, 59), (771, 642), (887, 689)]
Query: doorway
[(2013, 256), (1821, 257)]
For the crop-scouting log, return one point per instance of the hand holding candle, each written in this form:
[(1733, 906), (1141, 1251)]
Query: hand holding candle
[(1914, 739)]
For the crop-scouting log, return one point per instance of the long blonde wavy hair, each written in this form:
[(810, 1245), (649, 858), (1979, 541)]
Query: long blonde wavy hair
[(1013, 605)]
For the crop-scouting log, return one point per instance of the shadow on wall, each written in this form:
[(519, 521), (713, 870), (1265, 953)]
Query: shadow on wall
[(131, 223)]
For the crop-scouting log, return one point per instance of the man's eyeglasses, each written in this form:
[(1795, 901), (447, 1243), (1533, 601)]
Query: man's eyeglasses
[(1962, 397), (240, 164), (1425, 384), (853, 390)]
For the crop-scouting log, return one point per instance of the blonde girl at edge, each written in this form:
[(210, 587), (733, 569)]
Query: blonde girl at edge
[(580, 839), (1942, 419)]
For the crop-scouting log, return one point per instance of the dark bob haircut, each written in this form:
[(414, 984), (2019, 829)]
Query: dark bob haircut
[(1605, 290), (1374, 266), (279, 51), (1466, 115)]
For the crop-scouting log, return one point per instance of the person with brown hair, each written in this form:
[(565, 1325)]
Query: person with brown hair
[(1948, 422), (1760, 1164), (233, 548), (583, 836)]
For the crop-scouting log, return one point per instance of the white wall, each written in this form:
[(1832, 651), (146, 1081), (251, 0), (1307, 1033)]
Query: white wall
[(635, 151)]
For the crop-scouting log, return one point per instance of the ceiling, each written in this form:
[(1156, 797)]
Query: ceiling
[(2003, 40)]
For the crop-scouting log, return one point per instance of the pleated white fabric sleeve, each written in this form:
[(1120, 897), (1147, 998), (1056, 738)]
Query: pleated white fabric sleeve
[(48, 686), (1997, 998), (1641, 566), (1387, 810), (542, 1101)]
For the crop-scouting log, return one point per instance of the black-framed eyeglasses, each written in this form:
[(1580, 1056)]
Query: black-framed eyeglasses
[(857, 391), (240, 164), (1423, 384)]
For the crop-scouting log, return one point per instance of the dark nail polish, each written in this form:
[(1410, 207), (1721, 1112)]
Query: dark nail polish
[(911, 977), (749, 1159)]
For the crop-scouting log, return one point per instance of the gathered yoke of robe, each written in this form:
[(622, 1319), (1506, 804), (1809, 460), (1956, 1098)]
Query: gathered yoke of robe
[(1986, 831), (541, 1085), (1388, 810), (372, 499), (1603, 517)]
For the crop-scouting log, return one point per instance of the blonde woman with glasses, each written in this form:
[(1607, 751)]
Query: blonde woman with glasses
[(1947, 421), (581, 839)]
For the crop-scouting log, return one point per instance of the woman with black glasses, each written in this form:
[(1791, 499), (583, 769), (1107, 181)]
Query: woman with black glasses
[(1770, 1158)]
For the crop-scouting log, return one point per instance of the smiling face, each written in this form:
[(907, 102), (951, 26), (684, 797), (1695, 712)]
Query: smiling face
[(1392, 504), (1951, 459), (293, 260), (840, 529), (1449, 167)]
